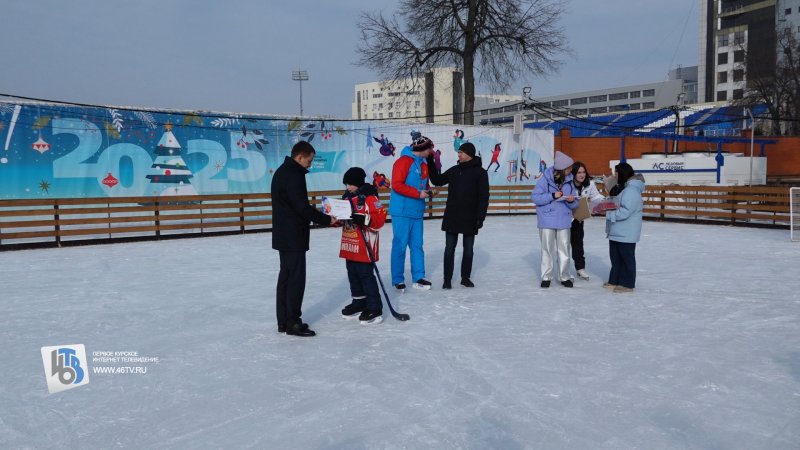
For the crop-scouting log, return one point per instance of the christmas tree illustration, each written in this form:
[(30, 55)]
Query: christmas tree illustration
[(169, 174)]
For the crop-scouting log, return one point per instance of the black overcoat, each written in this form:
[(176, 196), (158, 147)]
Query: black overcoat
[(467, 195), (291, 212)]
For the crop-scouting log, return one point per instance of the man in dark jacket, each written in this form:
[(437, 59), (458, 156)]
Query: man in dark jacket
[(291, 214), (467, 202)]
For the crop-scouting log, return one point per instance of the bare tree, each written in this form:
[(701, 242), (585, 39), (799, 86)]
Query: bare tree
[(500, 40), (774, 80)]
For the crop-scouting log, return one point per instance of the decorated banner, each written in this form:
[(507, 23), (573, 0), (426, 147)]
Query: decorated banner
[(58, 151)]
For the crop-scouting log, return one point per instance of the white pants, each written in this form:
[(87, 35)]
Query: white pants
[(555, 241)]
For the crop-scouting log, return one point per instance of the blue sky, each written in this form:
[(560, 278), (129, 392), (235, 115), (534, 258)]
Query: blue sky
[(238, 55)]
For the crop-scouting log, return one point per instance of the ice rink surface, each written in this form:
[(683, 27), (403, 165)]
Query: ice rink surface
[(704, 354)]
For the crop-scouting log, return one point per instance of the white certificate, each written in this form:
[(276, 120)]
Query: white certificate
[(336, 207)]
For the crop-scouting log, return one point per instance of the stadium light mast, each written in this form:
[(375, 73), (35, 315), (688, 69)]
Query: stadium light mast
[(677, 110), (300, 75)]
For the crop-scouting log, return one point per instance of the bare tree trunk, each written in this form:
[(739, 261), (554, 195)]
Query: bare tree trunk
[(469, 90)]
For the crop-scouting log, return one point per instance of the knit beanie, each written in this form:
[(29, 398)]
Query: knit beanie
[(562, 161), (468, 149), (419, 142), (354, 176)]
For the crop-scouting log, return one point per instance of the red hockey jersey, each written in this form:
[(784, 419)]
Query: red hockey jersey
[(352, 246)]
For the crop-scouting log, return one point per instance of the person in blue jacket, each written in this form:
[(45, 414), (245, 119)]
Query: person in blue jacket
[(410, 188), (555, 198), (623, 229)]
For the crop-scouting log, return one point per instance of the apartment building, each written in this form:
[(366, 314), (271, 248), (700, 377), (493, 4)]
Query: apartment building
[(438, 97)]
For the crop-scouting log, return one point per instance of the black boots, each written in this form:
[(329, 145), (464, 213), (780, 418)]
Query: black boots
[(299, 329), (466, 282)]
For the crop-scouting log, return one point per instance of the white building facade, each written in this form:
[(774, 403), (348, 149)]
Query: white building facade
[(438, 97)]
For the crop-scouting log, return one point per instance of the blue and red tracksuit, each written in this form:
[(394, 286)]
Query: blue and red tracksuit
[(409, 178)]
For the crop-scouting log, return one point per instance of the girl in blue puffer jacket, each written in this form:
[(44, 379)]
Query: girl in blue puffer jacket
[(623, 229)]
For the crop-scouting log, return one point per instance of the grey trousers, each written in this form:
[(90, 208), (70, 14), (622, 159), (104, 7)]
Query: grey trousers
[(555, 244)]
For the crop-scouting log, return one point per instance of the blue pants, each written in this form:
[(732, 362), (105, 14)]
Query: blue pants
[(623, 264), (363, 286), (407, 233)]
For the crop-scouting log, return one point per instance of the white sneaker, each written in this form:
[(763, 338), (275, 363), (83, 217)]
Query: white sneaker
[(583, 274)]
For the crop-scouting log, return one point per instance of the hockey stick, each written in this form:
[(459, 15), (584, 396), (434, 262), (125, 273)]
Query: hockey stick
[(399, 316)]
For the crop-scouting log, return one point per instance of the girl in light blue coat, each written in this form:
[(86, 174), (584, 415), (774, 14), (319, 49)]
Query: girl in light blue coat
[(623, 229), (555, 198)]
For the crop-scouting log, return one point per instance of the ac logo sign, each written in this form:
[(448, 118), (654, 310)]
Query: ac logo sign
[(65, 367)]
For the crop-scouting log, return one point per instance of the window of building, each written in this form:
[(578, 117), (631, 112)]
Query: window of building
[(738, 56), (636, 94), (648, 105), (417, 104), (598, 98), (738, 94), (738, 38), (722, 96), (722, 58), (377, 95), (391, 115), (722, 40), (618, 108), (635, 106), (787, 11), (380, 105), (618, 96), (578, 101), (580, 112), (598, 110), (722, 77), (380, 116), (648, 93), (738, 75), (558, 103)]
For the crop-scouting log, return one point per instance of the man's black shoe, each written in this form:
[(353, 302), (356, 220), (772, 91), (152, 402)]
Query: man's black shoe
[(545, 283), (447, 285), (300, 329), (282, 328), (567, 283), (466, 282)]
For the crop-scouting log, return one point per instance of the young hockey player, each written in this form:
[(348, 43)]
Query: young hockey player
[(368, 216)]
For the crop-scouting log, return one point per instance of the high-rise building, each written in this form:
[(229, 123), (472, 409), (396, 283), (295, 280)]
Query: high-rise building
[(731, 29)]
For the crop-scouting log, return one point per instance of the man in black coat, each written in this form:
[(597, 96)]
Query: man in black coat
[(467, 203), (291, 215)]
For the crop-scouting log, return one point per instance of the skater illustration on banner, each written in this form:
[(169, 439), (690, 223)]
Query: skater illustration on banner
[(495, 158)]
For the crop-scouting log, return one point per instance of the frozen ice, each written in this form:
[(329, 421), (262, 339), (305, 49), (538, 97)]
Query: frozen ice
[(704, 354)]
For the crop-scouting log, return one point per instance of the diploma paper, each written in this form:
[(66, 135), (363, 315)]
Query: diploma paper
[(336, 207)]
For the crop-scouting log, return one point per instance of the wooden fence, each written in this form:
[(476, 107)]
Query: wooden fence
[(48, 222)]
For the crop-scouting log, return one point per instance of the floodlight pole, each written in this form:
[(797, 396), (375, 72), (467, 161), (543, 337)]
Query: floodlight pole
[(677, 111), (752, 137), (300, 75)]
